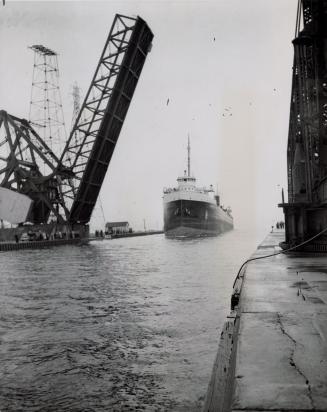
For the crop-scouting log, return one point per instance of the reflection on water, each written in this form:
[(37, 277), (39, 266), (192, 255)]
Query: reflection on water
[(126, 324)]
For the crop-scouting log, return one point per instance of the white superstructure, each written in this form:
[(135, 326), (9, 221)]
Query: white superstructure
[(187, 190)]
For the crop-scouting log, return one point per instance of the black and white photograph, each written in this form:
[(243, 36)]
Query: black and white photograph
[(163, 205)]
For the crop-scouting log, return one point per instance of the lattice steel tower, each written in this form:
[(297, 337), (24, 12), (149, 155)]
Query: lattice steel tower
[(76, 93), (46, 112)]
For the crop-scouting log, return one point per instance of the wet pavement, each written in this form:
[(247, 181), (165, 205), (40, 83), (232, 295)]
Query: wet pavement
[(281, 357)]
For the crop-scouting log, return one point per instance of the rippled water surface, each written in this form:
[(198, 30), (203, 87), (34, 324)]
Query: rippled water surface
[(118, 325)]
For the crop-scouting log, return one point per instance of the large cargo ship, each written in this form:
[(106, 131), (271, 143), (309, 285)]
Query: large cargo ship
[(194, 211)]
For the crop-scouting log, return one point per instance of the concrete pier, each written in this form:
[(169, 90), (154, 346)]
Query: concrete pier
[(277, 356)]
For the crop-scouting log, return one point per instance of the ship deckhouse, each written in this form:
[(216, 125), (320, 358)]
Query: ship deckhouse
[(186, 182), (187, 189)]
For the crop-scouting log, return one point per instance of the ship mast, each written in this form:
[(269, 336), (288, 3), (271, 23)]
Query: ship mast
[(188, 156)]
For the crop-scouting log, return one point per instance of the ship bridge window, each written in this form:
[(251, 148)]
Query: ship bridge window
[(189, 212), (177, 212)]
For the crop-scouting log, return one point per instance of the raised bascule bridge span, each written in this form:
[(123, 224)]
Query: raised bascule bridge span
[(65, 189)]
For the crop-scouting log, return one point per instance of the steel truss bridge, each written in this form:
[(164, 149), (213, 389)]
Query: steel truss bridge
[(70, 187)]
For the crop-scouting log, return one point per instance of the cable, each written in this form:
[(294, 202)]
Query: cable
[(278, 253)]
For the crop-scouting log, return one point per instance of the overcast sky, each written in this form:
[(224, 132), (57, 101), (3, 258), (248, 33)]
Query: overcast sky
[(207, 56)]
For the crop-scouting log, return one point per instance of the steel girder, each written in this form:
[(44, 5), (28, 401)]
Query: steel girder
[(93, 138), (23, 155)]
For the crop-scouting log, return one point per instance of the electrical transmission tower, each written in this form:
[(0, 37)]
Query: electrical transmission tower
[(76, 93), (76, 103), (46, 112)]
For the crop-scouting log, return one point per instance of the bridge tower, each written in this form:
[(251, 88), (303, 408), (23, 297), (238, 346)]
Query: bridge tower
[(306, 209)]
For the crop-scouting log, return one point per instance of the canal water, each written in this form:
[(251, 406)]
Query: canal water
[(117, 325)]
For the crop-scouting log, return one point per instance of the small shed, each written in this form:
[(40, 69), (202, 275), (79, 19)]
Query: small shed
[(117, 228)]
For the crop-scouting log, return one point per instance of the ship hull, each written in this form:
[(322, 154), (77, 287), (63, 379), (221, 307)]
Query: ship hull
[(190, 218)]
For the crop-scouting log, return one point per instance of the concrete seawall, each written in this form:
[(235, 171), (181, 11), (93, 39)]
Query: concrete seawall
[(272, 353)]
